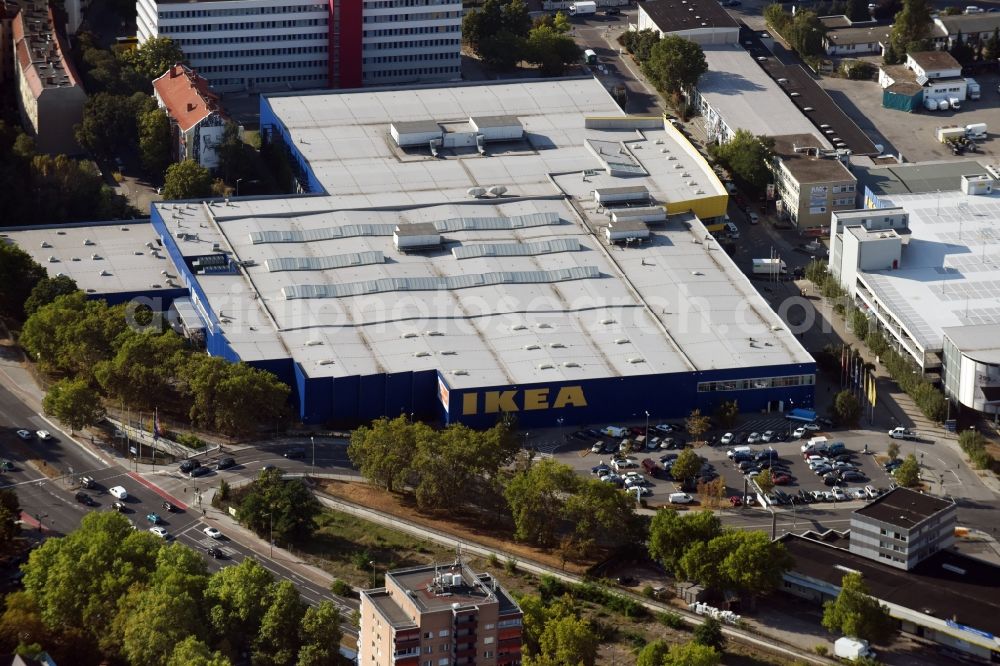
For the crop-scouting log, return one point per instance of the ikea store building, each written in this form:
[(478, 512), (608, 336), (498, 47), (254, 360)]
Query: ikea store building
[(463, 252)]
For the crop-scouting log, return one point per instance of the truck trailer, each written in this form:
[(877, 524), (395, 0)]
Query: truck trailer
[(852, 648), (583, 8), (769, 267)]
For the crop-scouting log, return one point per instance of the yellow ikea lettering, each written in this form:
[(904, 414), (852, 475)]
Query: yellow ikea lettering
[(532, 400), (570, 395), (536, 399), (500, 401)]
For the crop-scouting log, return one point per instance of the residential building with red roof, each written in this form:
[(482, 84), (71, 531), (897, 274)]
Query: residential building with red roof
[(50, 94), (197, 121)]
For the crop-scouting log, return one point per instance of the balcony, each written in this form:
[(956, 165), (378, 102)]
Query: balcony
[(406, 660), (404, 644)]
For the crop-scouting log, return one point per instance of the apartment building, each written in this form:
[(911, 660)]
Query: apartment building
[(269, 45), (439, 615), (196, 119), (50, 96), (903, 527)]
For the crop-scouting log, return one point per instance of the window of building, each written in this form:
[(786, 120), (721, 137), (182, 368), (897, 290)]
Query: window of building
[(488, 654), (488, 640), (443, 633), (490, 627), (443, 661)]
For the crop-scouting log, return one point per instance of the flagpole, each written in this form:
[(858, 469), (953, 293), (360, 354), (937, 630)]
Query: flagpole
[(156, 431), (142, 433)]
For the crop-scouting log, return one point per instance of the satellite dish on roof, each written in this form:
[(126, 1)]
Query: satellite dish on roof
[(476, 191), (497, 190)]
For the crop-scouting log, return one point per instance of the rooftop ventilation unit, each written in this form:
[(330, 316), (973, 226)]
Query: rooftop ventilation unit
[(325, 361), (46, 244), (531, 347), (448, 352), (607, 321), (87, 241), (433, 334), (476, 191), (622, 341), (546, 366), (421, 354), (460, 373), (518, 327), (313, 343), (636, 359), (557, 345), (571, 364), (408, 335)]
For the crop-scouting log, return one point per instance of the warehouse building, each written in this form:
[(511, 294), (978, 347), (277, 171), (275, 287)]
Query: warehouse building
[(921, 261), (478, 250)]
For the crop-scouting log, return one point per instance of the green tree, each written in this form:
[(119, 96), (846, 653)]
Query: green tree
[(320, 634), (157, 622), (856, 613), (155, 57), (235, 156), (78, 580), (383, 451), (233, 398), (911, 27), (21, 623), (742, 561), (692, 654), (154, 141), (19, 275), (193, 652), (278, 640), (73, 402), (847, 408), (107, 125), (551, 50), (497, 32), (568, 640), (961, 50), (10, 518), (47, 290), (908, 474), (640, 43), (537, 497), (697, 424), (859, 323), (238, 597), (776, 17), (686, 467), (991, 47), (748, 157), (285, 508), (765, 481), (675, 64), (143, 367), (671, 533), (709, 633), (727, 413), (653, 653), (187, 180), (893, 449), (805, 33), (598, 508)]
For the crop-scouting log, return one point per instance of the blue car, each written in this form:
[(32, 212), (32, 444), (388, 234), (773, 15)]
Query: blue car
[(154, 518)]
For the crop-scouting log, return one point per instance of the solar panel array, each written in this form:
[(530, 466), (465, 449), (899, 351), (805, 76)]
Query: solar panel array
[(516, 249), (386, 285), (276, 264)]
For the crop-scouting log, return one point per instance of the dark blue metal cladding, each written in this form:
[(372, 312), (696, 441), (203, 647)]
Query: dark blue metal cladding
[(398, 394), (371, 398), (315, 397), (158, 299), (425, 401), (269, 119), (346, 394), (616, 399)]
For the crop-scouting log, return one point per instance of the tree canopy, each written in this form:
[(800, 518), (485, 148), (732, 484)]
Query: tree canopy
[(73, 402), (674, 64), (743, 561), (283, 507), (498, 31), (911, 28), (671, 533), (856, 613), (551, 50), (908, 474), (847, 408), (686, 467), (19, 276), (47, 290), (187, 180), (747, 157), (154, 140)]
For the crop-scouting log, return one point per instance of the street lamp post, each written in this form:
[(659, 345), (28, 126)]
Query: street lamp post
[(372, 563), (647, 428), (313, 441), (238, 180), (560, 436), (270, 528)]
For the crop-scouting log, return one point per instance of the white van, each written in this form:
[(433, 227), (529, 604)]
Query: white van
[(732, 230), (813, 443), (737, 450), (118, 492), (614, 431)]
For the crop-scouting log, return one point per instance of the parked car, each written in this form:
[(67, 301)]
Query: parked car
[(6, 466), (736, 500), (839, 494), (680, 498), (767, 436), (852, 476), (187, 465), (87, 482), (212, 532), (597, 448), (800, 432), (781, 479), (753, 438), (215, 552), (25, 434), (84, 498), (170, 508), (726, 439), (225, 463), (118, 492), (295, 452), (44, 435), (154, 518), (160, 532), (119, 507)]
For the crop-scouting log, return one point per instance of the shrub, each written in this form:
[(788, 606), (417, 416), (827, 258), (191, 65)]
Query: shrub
[(361, 559), (821, 650), (510, 566), (190, 441), (672, 620), (341, 588), (648, 592)]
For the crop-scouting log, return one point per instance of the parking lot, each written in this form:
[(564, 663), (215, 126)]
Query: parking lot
[(786, 460), (912, 134)]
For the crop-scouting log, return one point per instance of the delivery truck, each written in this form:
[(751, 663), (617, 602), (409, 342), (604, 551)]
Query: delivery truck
[(583, 8), (852, 648), (771, 267)]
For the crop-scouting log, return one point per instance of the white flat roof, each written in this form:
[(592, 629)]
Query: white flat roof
[(121, 253), (747, 98), (345, 139), (950, 270), (676, 304)]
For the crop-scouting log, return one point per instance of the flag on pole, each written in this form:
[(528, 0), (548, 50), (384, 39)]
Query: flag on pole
[(157, 433)]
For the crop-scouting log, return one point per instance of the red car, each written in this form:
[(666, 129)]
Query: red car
[(736, 500), (781, 479)]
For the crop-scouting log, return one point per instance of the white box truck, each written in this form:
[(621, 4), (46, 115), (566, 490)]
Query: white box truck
[(976, 130), (852, 648), (769, 267), (973, 90), (582, 8)]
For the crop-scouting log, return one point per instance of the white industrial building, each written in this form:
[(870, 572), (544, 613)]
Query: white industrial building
[(923, 264)]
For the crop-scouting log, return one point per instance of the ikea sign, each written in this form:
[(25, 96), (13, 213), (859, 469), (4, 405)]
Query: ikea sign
[(527, 400)]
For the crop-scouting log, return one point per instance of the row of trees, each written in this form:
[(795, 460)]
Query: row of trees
[(100, 350), (974, 445), (108, 593), (910, 31), (694, 546), (42, 188), (672, 64), (503, 34), (803, 31)]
